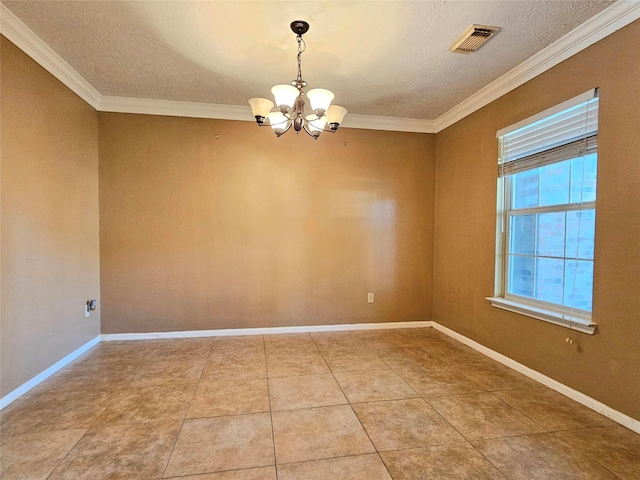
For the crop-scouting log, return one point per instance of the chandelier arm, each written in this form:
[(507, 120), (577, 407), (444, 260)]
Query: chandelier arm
[(287, 120), (280, 132), (329, 129), (288, 127), (304, 127)]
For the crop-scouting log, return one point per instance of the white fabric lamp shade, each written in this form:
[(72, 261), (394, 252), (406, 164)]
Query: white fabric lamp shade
[(336, 113), (320, 99), (260, 107), (285, 95)]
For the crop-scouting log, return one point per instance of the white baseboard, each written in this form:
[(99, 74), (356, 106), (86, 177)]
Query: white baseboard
[(108, 337), (25, 387), (579, 397), (621, 418)]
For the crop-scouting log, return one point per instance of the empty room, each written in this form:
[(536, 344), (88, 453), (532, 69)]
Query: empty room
[(295, 240)]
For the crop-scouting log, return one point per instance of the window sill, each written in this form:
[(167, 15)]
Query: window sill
[(579, 324)]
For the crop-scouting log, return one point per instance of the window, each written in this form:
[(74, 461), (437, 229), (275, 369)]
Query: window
[(547, 174)]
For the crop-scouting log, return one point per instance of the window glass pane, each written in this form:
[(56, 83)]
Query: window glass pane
[(549, 246), (578, 284), (548, 280), (550, 234), (522, 234), (581, 227), (525, 188), (521, 275), (583, 178), (554, 183)]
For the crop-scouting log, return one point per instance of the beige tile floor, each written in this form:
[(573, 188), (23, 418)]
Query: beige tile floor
[(385, 404)]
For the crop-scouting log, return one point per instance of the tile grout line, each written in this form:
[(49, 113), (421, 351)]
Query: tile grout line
[(572, 447), (490, 462), (332, 458), (217, 472), (173, 448), (466, 440), (184, 419), (90, 426), (518, 411), (273, 433), (464, 437), (492, 393), (75, 445), (354, 412)]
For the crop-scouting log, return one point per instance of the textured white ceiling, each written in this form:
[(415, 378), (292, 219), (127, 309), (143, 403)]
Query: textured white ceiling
[(380, 58)]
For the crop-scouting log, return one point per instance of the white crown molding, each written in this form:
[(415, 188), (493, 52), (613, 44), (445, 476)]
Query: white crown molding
[(149, 106), (370, 122), (613, 18), (618, 15), (27, 41)]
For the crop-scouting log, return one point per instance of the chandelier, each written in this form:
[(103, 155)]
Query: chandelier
[(290, 102)]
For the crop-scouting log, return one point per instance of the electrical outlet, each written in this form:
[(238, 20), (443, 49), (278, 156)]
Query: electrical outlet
[(370, 297), (89, 307)]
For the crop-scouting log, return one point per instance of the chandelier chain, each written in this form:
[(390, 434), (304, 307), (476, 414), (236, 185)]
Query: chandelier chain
[(302, 46)]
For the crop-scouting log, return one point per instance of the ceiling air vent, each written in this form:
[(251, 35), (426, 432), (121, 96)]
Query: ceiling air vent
[(473, 38)]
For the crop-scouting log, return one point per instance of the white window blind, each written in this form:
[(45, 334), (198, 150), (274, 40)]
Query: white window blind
[(547, 170), (549, 137)]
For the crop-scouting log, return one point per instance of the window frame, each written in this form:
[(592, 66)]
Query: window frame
[(570, 317)]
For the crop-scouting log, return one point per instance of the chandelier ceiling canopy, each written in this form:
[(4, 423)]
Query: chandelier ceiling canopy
[(289, 99)]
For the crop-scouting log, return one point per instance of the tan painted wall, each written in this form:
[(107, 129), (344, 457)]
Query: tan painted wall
[(216, 224), (49, 238), (209, 224), (605, 366)]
